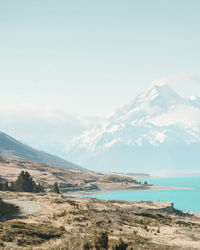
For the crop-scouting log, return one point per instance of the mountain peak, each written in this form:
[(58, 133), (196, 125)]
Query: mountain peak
[(163, 91), (157, 123), (156, 99)]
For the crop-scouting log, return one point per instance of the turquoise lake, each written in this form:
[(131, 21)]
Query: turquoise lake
[(188, 199)]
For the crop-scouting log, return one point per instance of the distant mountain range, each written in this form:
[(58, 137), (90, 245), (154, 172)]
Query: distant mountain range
[(159, 132), (9, 147)]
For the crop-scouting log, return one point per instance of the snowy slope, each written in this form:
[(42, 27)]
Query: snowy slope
[(158, 131)]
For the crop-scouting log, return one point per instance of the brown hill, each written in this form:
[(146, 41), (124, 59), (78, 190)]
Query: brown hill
[(68, 179), (10, 147)]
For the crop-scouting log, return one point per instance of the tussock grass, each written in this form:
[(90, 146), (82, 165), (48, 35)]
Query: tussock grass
[(24, 234)]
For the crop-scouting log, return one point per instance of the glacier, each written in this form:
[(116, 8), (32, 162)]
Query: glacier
[(158, 132)]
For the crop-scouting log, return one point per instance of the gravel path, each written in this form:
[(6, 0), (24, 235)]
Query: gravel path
[(26, 208)]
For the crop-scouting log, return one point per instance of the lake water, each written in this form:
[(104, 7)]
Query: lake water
[(188, 199)]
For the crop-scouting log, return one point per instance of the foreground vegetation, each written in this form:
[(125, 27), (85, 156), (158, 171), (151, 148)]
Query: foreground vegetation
[(27, 234), (66, 223)]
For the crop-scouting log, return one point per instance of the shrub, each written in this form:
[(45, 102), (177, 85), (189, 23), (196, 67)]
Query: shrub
[(121, 246), (55, 188), (101, 241)]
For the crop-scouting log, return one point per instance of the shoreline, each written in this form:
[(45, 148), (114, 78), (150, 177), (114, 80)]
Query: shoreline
[(144, 224), (112, 189)]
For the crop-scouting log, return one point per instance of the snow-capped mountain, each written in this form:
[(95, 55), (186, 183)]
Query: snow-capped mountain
[(158, 132)]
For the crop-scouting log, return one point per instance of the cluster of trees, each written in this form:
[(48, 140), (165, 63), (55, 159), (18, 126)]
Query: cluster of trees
[(139, 182), (24, 183)]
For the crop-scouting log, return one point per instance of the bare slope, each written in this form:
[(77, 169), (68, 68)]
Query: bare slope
[(10, 147)]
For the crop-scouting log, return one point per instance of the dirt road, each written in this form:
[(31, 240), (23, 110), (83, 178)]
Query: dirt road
[(26, 208)]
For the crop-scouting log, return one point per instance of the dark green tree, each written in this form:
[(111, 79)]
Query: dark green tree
[(38, 188), (24, 183), (121, 246), (5, 186), (101, 241), (55, 188), (12, 186)]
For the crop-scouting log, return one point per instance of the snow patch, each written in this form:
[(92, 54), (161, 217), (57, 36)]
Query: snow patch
[(111, 143)]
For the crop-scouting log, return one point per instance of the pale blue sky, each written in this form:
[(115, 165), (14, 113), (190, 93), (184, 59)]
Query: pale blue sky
[(89, 56)]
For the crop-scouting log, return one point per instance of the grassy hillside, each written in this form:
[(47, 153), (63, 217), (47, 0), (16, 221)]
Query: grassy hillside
[(116, 178), (67, 179)]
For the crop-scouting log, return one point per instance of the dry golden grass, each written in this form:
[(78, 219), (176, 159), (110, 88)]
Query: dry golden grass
[(79, 223)]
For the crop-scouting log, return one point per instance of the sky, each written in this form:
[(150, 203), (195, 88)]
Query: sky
[(88, 57)]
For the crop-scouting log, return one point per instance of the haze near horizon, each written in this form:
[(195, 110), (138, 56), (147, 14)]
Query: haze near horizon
[(66, 66)]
